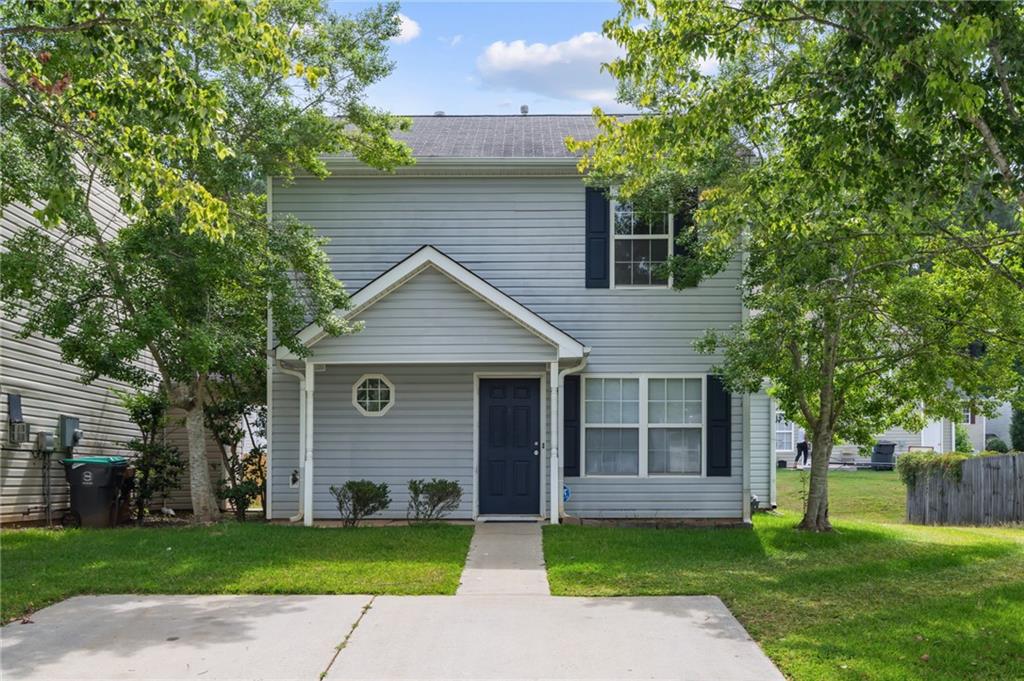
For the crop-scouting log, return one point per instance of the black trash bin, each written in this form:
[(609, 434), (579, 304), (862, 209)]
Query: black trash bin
[(95, 489), (883, 456)]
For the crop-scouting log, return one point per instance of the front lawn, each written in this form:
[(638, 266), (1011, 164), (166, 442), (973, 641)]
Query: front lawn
[(871, 601), (39, 567), (862, 495)]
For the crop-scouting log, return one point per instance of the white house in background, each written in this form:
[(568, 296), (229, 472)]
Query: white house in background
[(938, 434), (517, 338)]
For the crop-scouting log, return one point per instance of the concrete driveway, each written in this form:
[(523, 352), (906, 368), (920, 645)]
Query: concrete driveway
[(398, 637), (502, 624)]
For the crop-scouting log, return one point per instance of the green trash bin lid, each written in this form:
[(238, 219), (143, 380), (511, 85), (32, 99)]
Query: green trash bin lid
[(102, 460)]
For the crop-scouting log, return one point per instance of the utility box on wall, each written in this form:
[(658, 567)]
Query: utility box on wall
[(68, 433)]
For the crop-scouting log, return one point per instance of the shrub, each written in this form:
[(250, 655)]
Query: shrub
[(358, 499), (914, 465), (157, 467), (961, 440), (432, 500), (995, 444)]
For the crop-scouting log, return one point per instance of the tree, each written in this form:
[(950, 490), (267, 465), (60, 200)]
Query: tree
[(842, 147), (1017, 430), (231, 406), (160, 289)]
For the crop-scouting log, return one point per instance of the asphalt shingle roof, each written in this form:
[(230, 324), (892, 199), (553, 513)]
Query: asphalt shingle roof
[(530, 136)]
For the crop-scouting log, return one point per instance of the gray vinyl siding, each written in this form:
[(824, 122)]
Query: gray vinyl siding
[(427, 433), (32, 367), (434, 319), (762, 448), (525, 236)]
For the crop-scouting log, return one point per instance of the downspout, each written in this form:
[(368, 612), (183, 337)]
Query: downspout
[(559, 439), (302, 435)]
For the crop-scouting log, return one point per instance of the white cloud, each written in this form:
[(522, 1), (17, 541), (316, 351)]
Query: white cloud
[(409, 29), (565, 70)]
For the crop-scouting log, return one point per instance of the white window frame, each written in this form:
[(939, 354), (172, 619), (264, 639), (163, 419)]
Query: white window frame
[(780, 419), (643, 427), (359, 407), (967, 415), (669, 237)]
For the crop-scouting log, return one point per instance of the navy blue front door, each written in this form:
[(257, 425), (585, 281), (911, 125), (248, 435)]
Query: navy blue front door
[(510, 446)]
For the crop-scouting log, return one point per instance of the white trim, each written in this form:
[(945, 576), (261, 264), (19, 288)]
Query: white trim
[(428, 256), (554, 462), (643, 426), (773, 470), (387, 407), (268, 511), (670, 237), (477, 375), (307, 471)]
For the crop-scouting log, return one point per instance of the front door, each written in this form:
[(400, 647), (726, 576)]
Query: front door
[(509, 446)]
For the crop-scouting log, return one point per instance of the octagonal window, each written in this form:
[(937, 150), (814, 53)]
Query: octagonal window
[(373, 395)]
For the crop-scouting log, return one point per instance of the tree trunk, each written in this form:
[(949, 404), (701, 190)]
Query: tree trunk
[(816, 514), (204, 503)]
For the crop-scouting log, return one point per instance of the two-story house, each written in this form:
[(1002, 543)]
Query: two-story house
[(516, 338)]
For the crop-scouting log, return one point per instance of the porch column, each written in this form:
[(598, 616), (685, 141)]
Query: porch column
[(556, 488), (307, 473)]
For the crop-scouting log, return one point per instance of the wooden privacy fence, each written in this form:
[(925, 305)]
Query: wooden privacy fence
[(991, 491)]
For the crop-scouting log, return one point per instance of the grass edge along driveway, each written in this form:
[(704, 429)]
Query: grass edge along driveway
[(871, 601), (39, 567)]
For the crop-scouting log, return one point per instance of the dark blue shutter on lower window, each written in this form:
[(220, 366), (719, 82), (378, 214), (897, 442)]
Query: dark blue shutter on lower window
[(598, 236), (571, 426), (719, 428)]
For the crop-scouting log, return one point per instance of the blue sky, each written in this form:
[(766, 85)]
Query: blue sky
[(491, 57)]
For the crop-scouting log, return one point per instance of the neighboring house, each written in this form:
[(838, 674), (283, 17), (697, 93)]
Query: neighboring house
[(938, 434), (516, 339), (31, 368)]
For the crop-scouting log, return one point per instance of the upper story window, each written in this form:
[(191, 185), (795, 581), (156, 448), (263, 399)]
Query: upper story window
[(641, 246)]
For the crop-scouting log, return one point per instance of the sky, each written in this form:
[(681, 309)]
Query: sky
[(492, 57)]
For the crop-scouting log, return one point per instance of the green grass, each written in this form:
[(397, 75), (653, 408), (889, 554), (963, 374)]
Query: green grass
[(876, 496), (39, 567), (874, 600)]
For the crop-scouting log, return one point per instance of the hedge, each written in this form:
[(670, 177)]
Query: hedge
[(913, 465)]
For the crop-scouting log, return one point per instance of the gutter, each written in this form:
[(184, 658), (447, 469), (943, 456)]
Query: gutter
[(302, 430)]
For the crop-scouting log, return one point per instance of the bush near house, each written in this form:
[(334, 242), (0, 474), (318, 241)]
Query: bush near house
[(432, 500), (961, 440), (358, 499), (996, 444)]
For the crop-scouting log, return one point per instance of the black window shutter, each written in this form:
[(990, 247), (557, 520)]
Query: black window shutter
[(598, 236), (719, 428), (571, 426)]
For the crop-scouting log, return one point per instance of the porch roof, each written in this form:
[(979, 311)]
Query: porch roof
[(430, 258)]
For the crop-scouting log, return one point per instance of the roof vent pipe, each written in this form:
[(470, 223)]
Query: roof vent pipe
[(439, 113), (524, 109)]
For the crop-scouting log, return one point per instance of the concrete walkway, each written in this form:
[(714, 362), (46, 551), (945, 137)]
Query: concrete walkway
[(505, 559), (502, 624)]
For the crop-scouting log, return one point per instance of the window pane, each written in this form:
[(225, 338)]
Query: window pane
[(612, 451), (656, 412), (623, 250), (656, 388), (675, 389), (612, 400), (623, 274), (623, 218), (673, 451), (659, 250), (693, 389)]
